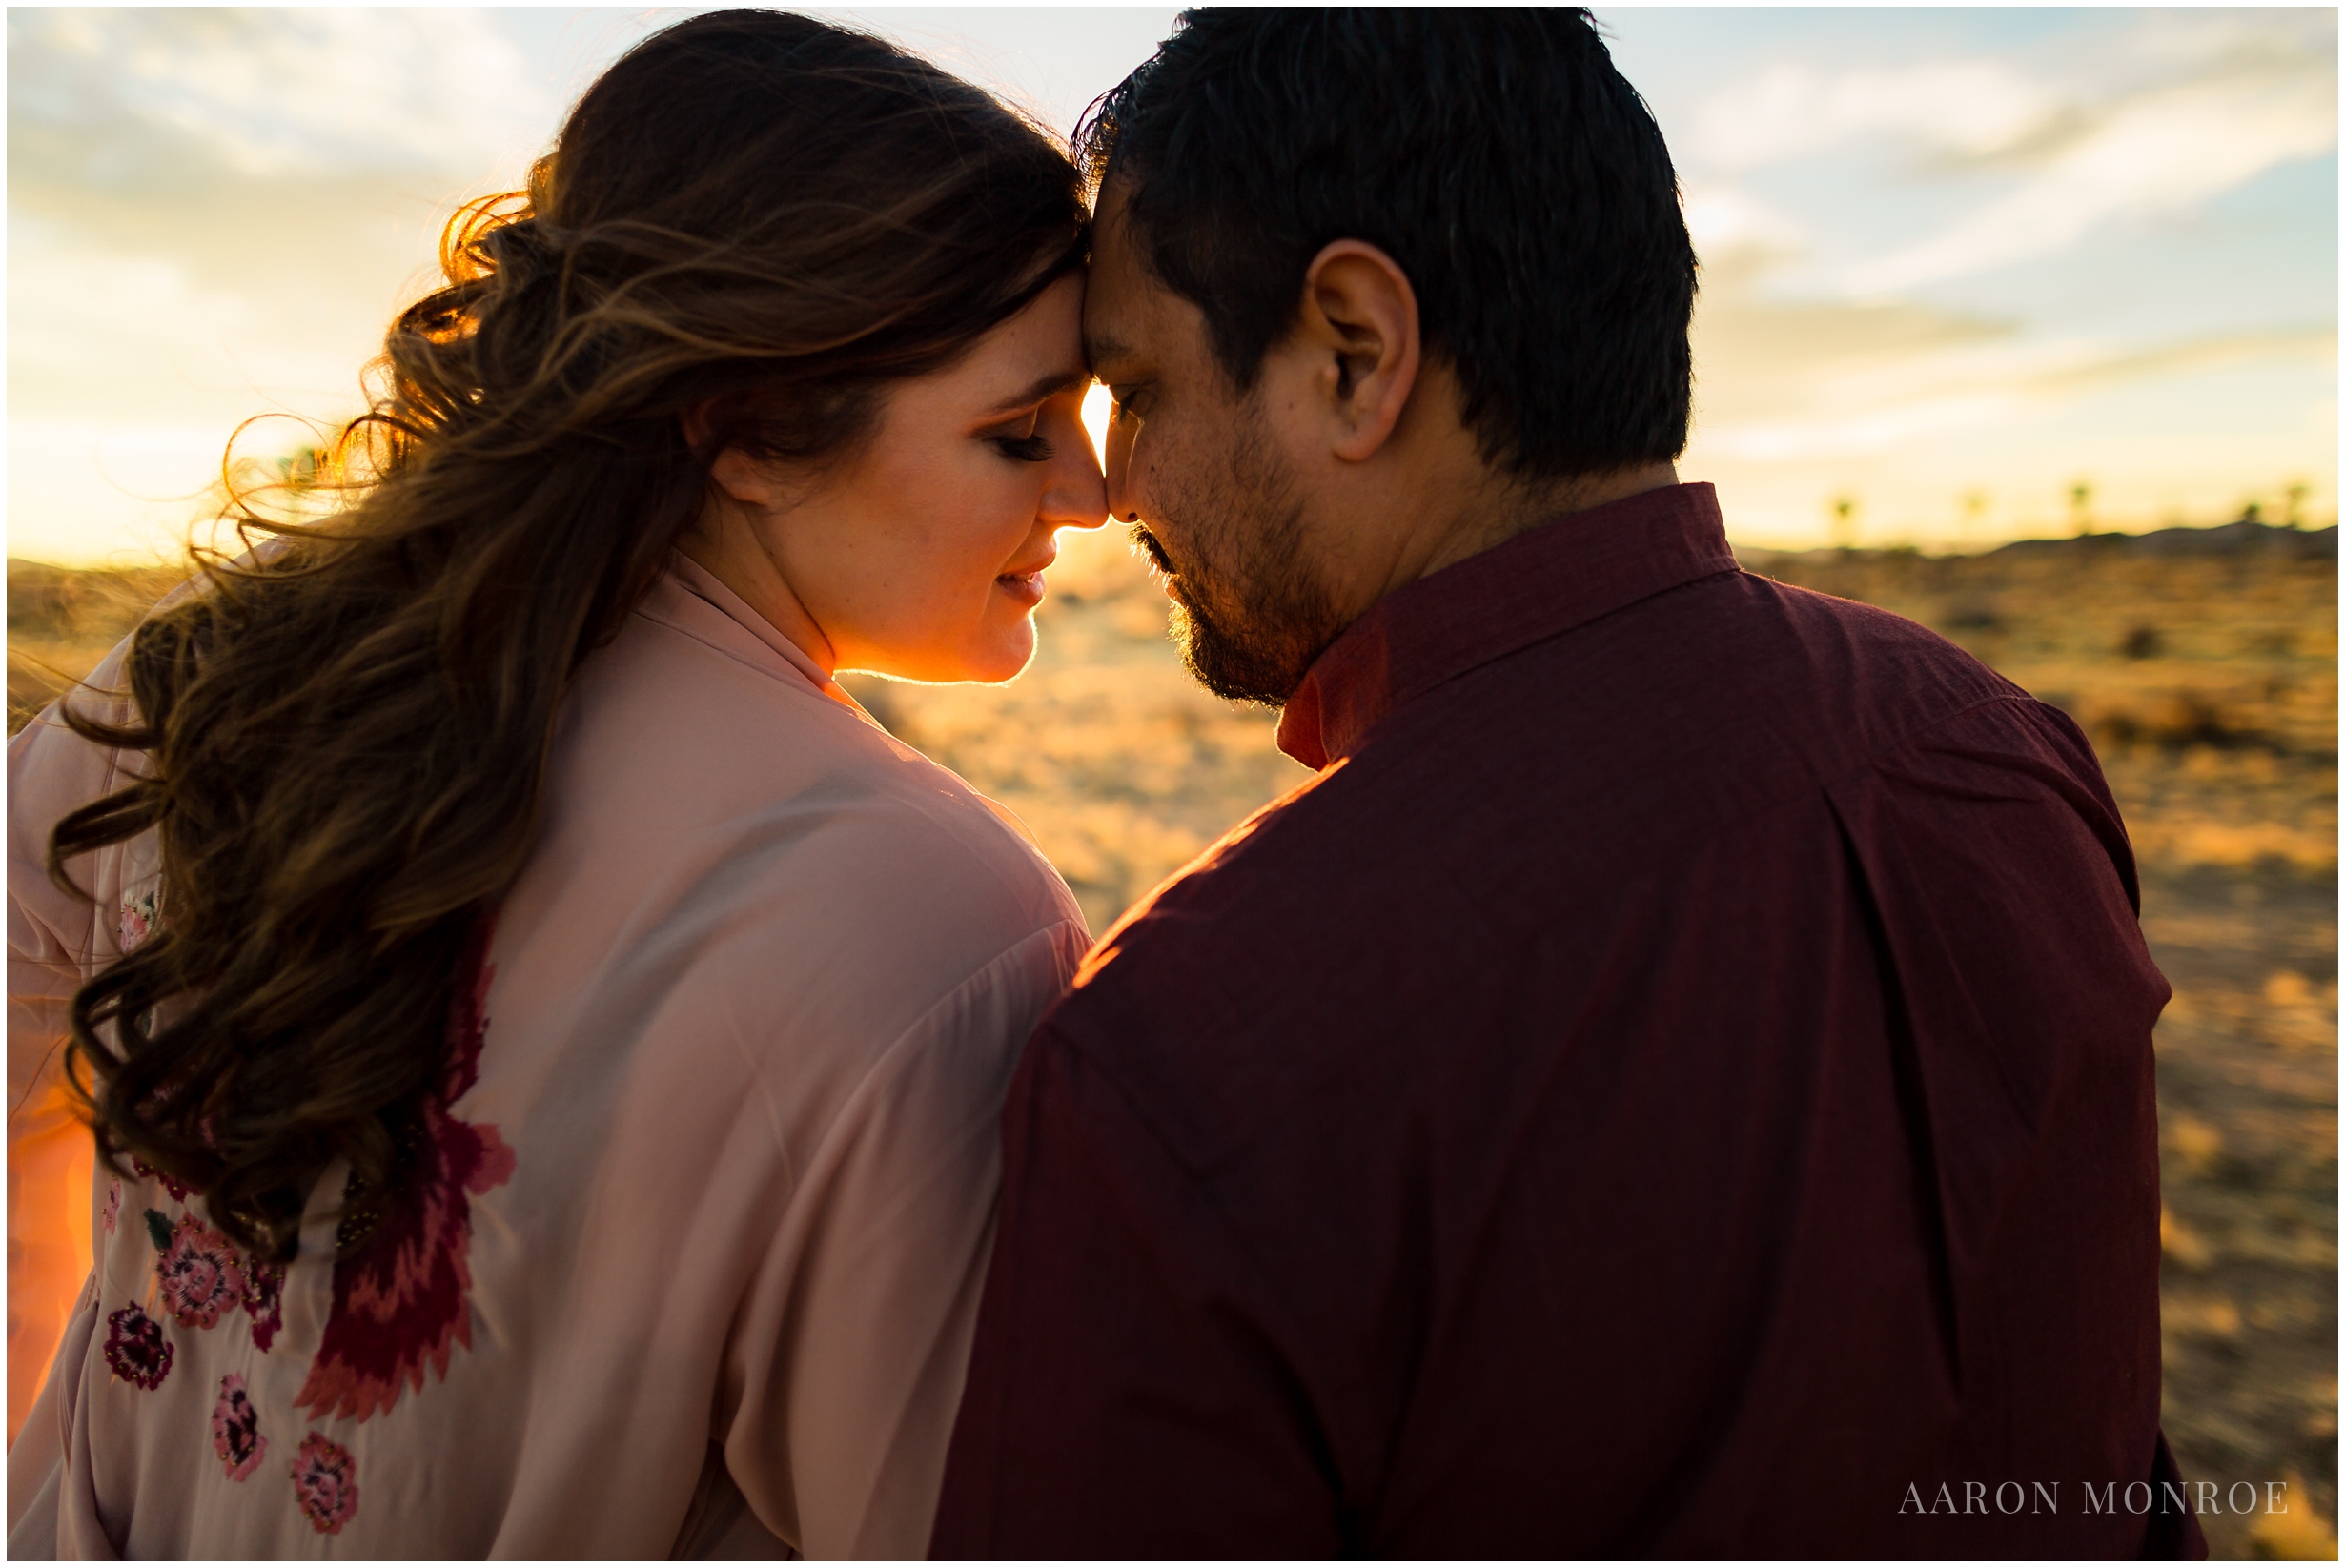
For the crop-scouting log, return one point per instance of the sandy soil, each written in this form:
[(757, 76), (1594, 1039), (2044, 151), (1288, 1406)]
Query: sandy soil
[(2203, 667)]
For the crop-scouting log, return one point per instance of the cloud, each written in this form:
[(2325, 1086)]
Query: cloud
[(2147, 122), (2162, 152), (1727, 221), (1975, 106), (212, 216), (272, 94), (1804, 380), (1756, 357), (218, 211)]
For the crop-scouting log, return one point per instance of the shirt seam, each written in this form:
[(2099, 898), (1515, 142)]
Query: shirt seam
[(1872, 759), (888, 1062), (1195, 1179)]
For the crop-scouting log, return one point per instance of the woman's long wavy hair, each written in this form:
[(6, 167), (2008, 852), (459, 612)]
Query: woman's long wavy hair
[(752, 223)]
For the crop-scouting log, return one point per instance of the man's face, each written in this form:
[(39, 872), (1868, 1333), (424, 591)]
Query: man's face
[(1194, 466)]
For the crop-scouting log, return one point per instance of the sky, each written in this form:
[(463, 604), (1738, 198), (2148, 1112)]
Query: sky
[(1955, 263)]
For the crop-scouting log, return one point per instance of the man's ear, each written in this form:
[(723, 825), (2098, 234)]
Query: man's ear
[(1359, 322)]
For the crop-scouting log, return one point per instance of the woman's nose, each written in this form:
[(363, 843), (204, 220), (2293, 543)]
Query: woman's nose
[(1077, 496)]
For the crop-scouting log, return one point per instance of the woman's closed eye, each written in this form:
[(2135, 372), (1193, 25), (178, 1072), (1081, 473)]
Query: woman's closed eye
[(1022, 440), (1027, 449)]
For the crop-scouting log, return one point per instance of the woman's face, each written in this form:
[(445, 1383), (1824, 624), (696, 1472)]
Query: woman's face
[(923, 556)]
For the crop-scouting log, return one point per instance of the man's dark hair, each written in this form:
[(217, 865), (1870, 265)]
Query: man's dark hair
[(1496, 156)]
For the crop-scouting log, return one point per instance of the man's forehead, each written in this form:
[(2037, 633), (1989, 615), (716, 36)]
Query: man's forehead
[(1130, 318), (1121, 302), (1117, 322), (1105, 350)]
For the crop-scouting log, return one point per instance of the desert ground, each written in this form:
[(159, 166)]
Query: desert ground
[(2202, 663)]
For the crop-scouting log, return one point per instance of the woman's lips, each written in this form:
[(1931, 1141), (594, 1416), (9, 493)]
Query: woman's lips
[(1026, 588)]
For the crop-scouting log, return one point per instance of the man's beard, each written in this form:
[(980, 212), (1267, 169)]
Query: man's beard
[(1247, 614)]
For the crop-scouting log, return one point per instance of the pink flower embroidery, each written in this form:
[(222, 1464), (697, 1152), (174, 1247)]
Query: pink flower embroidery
[(403, 1301), (135, 921), (135, 1348), (200, 1275), (178, 1189), (326, 1483), (264, 1289), (114, 1205), (236, 1430)]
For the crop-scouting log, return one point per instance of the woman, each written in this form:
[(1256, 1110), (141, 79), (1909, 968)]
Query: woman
[(546, 1037)]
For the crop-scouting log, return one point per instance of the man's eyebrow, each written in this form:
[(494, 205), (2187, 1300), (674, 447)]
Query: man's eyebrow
[(1049, 386)]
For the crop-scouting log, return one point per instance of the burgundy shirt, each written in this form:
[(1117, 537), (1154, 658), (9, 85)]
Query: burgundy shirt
[(1677, 1082)]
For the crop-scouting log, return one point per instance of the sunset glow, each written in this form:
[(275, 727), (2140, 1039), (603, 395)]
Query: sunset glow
[(1956, 264)]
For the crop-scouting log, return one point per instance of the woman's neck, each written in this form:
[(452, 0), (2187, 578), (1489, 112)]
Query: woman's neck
[(726, 549)]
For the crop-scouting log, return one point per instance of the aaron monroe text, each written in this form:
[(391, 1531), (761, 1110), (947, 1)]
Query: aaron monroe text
[(2099, 1498)]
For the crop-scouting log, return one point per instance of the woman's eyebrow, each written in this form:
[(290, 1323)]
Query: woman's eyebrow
[(1050, 386)]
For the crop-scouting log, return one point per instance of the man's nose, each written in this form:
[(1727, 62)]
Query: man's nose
[(1122, 493)]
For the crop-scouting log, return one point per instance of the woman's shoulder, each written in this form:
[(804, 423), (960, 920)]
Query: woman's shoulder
[(694, 784), (755, 880)]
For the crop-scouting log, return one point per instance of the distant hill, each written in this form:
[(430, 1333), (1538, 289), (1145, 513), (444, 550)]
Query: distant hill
[(2256, 541), (2229, 538)]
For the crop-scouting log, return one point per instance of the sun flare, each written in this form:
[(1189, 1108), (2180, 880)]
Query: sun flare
[(1095, 405)]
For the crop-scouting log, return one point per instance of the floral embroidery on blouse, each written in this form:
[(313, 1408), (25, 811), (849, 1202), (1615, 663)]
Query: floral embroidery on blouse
[(200, 1275), (135, 1348), (135, 921), (401, 1295), (158, 1229), (325, 1481), (264, 1291), (114, 1205), (178, 1189), (236, 1430)]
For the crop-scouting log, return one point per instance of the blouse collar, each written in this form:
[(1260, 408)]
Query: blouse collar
[(689, 598)]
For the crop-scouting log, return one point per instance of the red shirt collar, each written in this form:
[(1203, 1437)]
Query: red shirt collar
[(1541, 583)]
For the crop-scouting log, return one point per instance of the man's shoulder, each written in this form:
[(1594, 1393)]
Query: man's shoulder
[(1244, 904), (1785, 644), (1854, 637), (1585, 756), (1710, 698), (1501, 818)]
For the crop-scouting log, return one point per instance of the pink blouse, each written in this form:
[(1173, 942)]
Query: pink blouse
[(710, 1185)]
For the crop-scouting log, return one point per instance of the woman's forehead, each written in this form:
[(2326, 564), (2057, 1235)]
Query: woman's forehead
[(1035, 355)]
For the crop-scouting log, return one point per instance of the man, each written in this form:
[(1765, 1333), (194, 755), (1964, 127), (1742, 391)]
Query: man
[(1678, 1081)]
